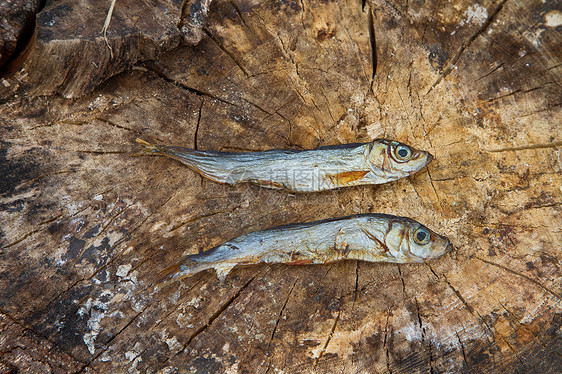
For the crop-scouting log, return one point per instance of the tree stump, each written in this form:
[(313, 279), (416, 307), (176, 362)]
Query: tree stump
[(86, 228)]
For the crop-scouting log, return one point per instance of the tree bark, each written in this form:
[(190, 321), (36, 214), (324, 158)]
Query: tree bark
[(85, 228)]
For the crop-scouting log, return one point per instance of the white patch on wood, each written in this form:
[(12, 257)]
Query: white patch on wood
[(134, 356), (375, 130), (157, 226), (553, 18), (97, 310), (113, 237), (123, 270), (475, 14), (533, 35)]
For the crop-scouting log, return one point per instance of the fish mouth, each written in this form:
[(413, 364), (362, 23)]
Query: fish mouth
[(449, 248), (429, 159)]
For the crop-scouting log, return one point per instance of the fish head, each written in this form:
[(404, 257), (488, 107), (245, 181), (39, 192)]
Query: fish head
[(410, 241), (393, 160)]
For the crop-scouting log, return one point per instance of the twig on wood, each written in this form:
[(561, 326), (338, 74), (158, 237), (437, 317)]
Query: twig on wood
[(106, 26)]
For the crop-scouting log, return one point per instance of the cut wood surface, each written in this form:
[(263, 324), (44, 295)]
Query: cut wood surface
[(85, 228)]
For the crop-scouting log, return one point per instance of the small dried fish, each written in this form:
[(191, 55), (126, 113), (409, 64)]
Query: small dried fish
[(324, 168), (367, 237)]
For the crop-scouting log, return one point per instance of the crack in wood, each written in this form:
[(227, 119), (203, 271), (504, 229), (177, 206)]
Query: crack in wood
[(372, 43), (385, 340), (238, 11), (403, 283), (466, 44), (257, 106), (35, 332), (25, 236), (526, 147), (491, 337), (513, 319), (160, 74), (215, 315), (109, 122), (268, 350), (548, 109), (107, 343), (459, 296), (434, 190), (356, 284), (423, 338), (226, 51), (462, 349), (536, 282), (195, 135), (330, 335), (98, 152), (196, 218), (491, 72)]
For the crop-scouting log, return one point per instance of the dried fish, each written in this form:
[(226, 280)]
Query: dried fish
[(367, 237), (324, 168)]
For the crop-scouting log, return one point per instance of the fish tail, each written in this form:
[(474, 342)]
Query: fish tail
[(149, 148), (189, 157), (204, 162), (191, 265), (180, 154), (179, 270)]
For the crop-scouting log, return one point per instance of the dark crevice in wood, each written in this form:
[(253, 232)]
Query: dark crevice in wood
[(387, 355), (25, 236), (36, 333), (403, 283), (434, 189), (23, 44), (238, 11), (373, 44), (258, 107), (356, 283), (423, 338), (491, 72), (462, 349), (195, 135), (153, 69)]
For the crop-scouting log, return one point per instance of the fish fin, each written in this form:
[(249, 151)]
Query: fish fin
[(149, 148), (223, 270), (187, 267), (268, 184), (347, 177)]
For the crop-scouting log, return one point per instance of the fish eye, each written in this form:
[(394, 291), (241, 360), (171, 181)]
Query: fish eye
[(402, 153), (422, 236)]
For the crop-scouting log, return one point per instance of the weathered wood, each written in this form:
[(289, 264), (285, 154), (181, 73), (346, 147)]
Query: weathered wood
[(69, 53), (85, 227)]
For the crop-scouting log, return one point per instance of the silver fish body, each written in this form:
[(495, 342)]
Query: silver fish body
[(367, 237), (324, 168)]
